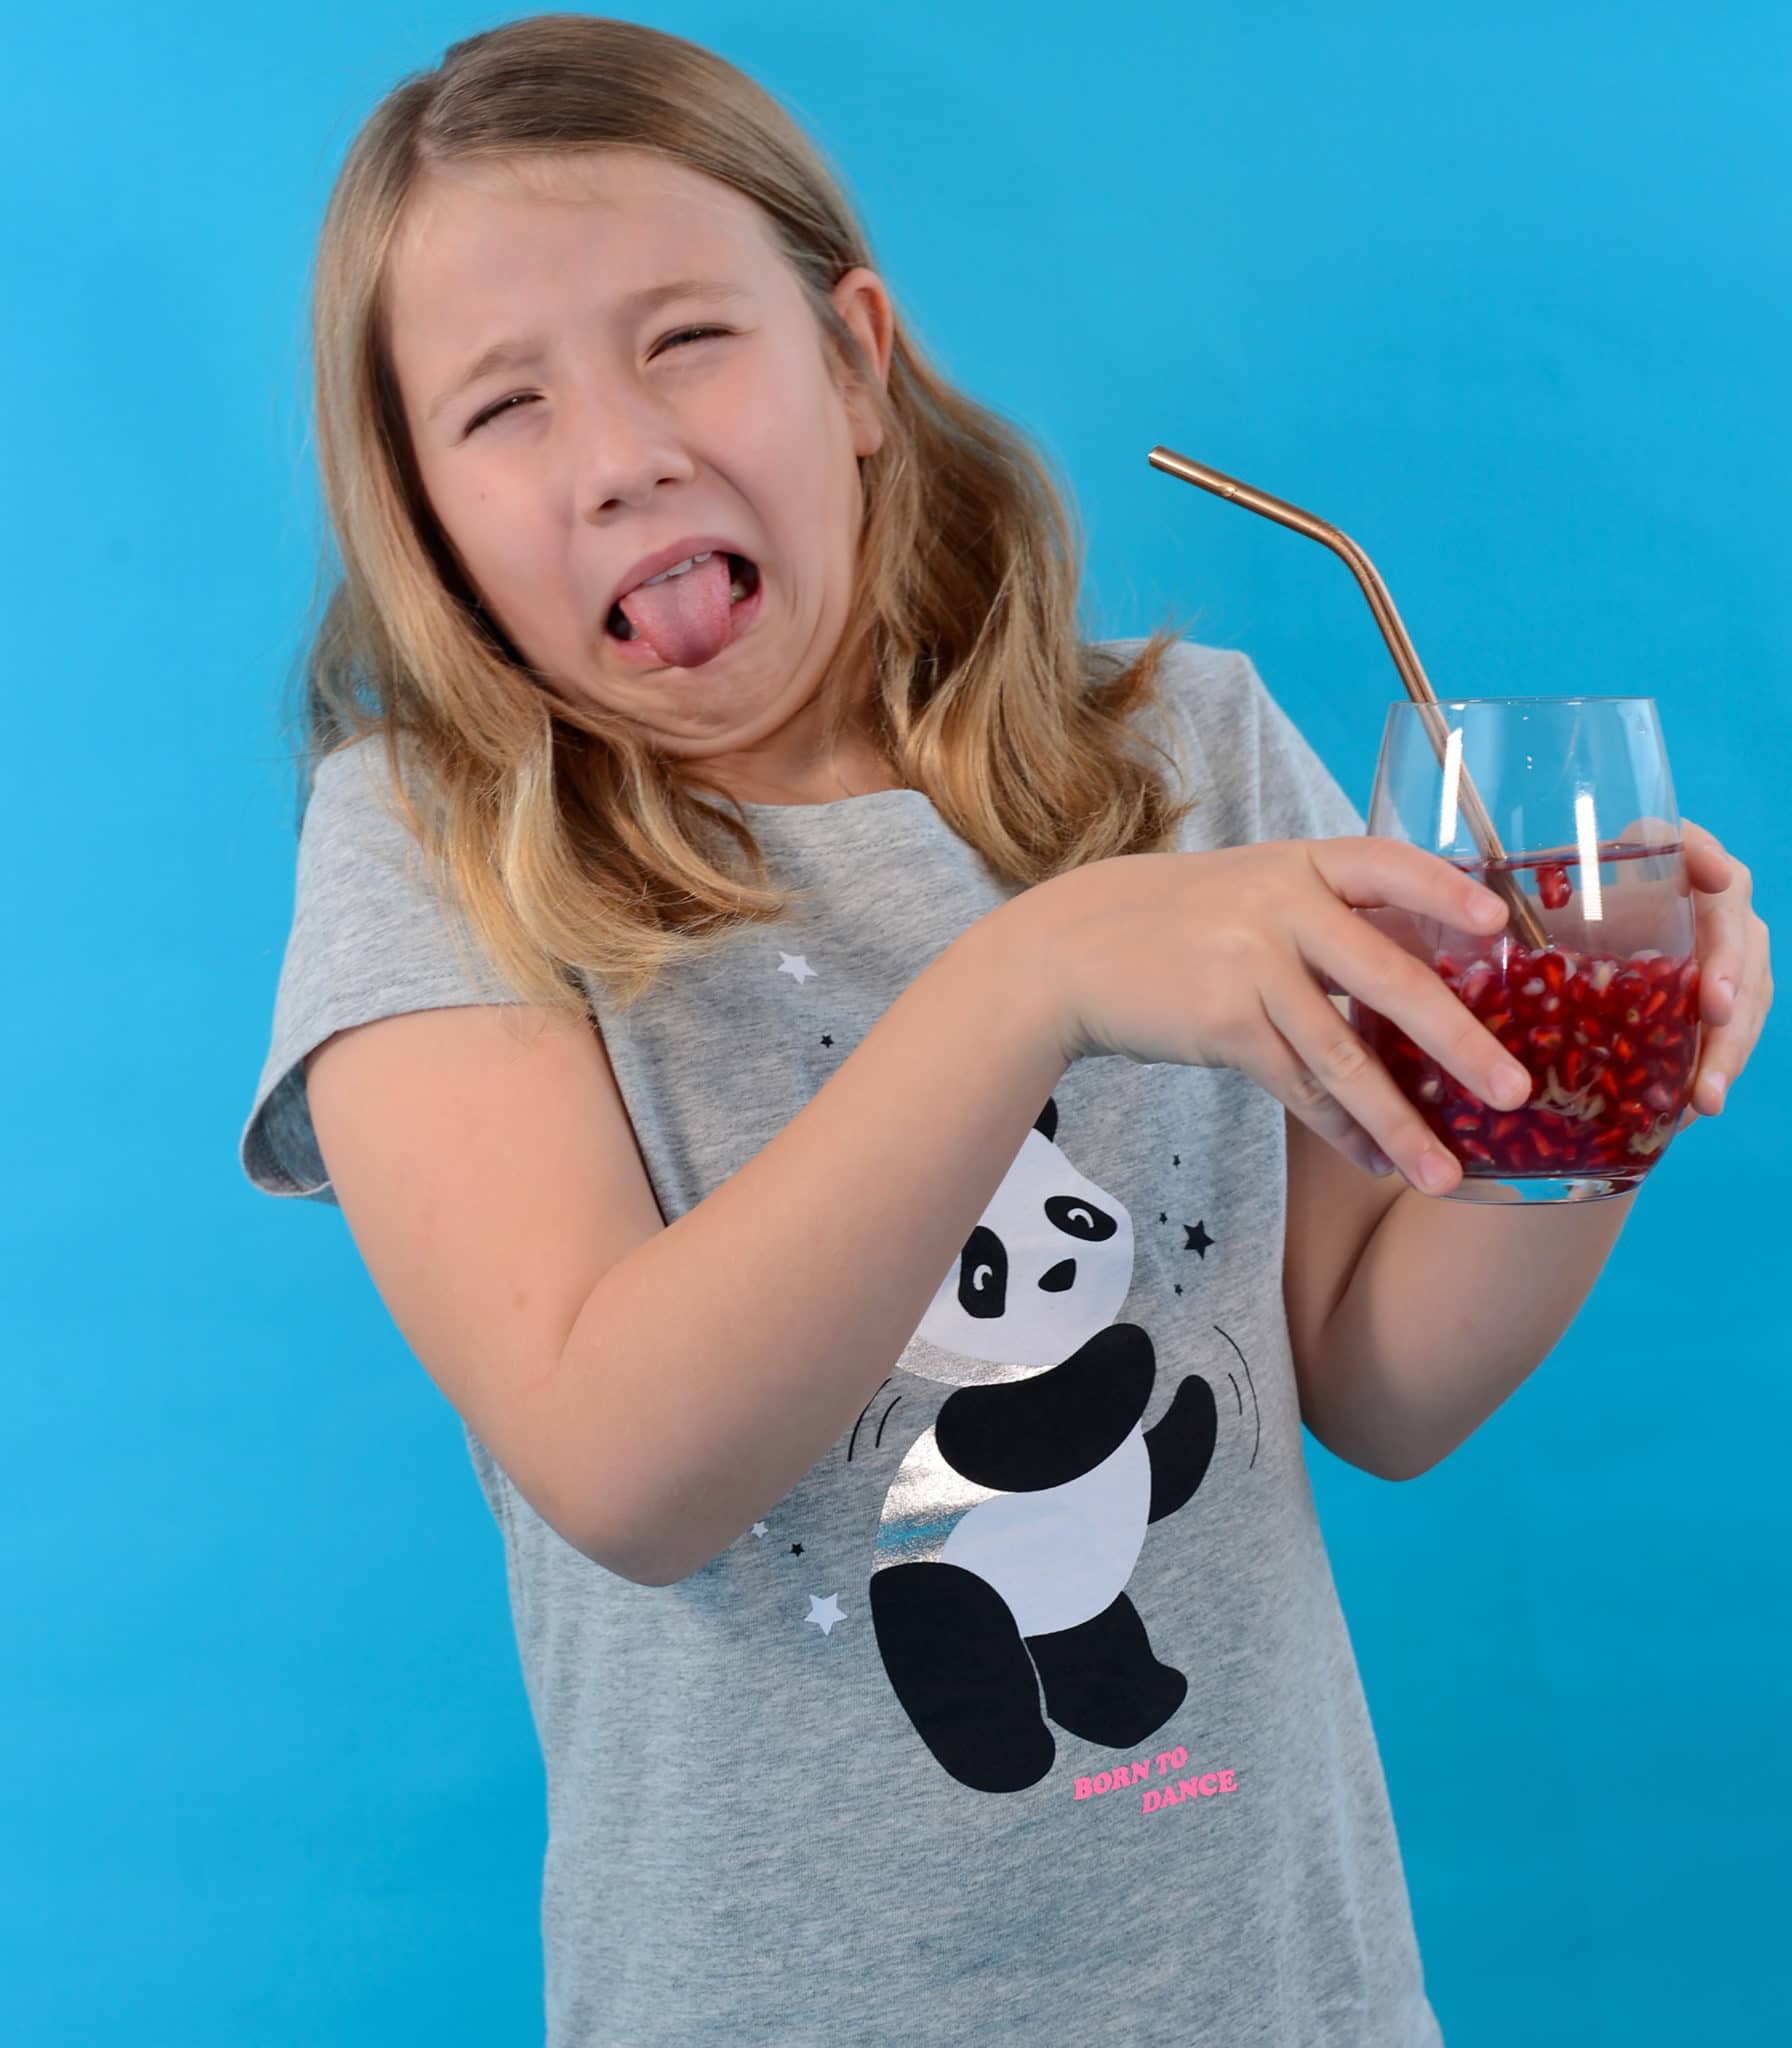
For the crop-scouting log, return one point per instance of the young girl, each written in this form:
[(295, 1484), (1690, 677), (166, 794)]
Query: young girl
[(874, 1166)]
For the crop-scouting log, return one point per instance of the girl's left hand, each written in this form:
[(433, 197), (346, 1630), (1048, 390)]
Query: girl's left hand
[(1735, 973)]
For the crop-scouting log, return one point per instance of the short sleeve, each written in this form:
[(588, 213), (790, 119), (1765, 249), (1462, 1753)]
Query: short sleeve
[(370, 937), (1258, 773)]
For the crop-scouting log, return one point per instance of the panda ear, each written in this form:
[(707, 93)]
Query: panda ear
[(1046, 1122)]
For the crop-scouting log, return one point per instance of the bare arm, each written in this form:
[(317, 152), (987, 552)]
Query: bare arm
[(1413, 1319), (783, 1328)]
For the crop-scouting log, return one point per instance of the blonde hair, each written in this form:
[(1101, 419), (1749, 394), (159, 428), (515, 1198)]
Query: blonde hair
[(568, 839)]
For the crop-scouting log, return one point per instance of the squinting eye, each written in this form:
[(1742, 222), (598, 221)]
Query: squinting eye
[(492, 411), (692, 334)]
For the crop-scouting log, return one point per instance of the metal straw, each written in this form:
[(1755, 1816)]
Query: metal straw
[(1406, 660)]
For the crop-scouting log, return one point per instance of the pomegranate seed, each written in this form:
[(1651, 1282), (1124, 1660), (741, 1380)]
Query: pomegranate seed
[(1552, 884), (1567, 1016)]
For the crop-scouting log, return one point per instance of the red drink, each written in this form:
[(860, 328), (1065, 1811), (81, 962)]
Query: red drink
[(1610, 1040)]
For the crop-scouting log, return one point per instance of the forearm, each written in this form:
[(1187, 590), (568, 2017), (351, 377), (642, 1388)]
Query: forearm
[(1450, 1309), (721, 1358)]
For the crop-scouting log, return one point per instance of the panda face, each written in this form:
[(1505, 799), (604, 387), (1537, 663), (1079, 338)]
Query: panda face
[(1048, 1264)]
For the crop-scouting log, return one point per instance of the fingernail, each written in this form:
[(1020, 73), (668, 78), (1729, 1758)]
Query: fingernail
[(1515, 1086), (1379, 1162), (1434, 1171), (1714, 1091)]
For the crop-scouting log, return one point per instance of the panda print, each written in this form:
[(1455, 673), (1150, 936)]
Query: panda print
[(1013, 1524)]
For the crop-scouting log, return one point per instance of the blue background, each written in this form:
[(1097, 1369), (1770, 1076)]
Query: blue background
[(1505, 299)]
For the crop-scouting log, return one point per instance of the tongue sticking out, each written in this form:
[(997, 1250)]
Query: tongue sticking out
[(684, 620)]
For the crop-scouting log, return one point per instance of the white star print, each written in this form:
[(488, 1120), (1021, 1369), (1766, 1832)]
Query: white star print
[(796, 967), (758, 1528), (824, 1613)]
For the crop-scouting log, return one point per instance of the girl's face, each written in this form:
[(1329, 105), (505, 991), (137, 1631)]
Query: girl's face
[(628, 434)]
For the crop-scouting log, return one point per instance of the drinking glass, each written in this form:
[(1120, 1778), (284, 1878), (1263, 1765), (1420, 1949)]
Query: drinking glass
[(1604, 1014)]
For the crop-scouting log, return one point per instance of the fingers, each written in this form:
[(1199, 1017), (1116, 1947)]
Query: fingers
[(1708, 866), (1379, 972), (1281, 1070), (1727, 931), (1321, 1069), (1709, 869), (1737, 1018), (1720, 975), (1325, 1073), (1370, 873), (1735, 979), (1649, 830)]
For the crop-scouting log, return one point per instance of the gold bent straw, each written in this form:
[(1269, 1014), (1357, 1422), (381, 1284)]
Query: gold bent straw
[(1406, 660)]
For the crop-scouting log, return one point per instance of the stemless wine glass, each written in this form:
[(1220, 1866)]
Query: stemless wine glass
[(1604, 1016)]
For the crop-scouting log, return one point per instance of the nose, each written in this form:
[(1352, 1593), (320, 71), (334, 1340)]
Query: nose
[(629, 445), (1060, 1277)]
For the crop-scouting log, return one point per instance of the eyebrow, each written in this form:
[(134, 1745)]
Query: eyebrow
[(527, 350)]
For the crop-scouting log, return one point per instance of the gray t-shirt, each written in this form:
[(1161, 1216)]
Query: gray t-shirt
[(1029, 1714)]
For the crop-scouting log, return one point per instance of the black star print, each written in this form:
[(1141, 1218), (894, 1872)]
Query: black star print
[(1198, 1240), (1179, 1287), (1175, 1158), (796, 1550), (825, 1039), (1161, 1217)]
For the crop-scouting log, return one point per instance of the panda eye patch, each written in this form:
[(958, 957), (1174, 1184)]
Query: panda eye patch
[(1080, 1219), (983, 1275)]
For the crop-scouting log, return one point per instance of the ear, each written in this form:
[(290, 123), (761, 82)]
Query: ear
[(862, 302)]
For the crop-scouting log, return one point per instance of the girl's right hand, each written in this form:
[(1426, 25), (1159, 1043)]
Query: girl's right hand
[(1222, 959)]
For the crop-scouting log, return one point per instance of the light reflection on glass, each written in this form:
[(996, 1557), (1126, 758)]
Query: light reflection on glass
[(1446, 813), (1586, 831)]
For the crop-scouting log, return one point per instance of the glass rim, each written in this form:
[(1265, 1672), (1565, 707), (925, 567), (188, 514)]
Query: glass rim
[(1463, 703)]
